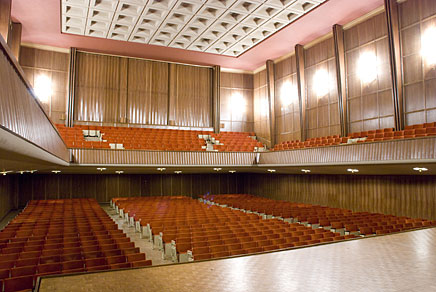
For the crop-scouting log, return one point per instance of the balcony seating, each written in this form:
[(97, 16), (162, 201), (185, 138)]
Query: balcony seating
[(62, 236), (236, 141)]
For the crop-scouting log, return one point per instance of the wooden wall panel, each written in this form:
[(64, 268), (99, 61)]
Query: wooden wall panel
[(260, 109), (287, 106), (5, 18), (370, 104), (147, 92), (236, 87), (322, 112), (54, 65), (419, 77), (7, 195), (104, 187), (413, 196)]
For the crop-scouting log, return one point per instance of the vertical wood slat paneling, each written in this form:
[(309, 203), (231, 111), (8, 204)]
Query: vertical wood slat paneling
[(104, 187), (7, 195), (21, 113), (260, 108), (413, 196)]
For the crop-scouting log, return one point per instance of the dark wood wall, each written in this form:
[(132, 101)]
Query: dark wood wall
[(413, 196), (54, 65), (236, 102), (7, 195), (104, 187)]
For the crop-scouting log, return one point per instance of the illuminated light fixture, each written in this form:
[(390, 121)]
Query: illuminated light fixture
[(21, 171), (161, 169), (237, 103), (33, 170), (5, 172), (119, 171), (420, 169), (177, 171), (367, 67), (352, 170), (101, 168), (305, 170), (43, 88), (288, 94), (271, 170), (232, 171), (217, 168), (428, 45), (321, 83), (56, 171)]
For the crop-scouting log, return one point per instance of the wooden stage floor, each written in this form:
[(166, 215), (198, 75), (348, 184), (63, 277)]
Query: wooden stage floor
[(399, 262)]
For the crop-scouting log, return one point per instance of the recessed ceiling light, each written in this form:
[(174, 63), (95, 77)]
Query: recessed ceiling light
[(177, 171), (161, 168), (119, 171), (101, 168), (305, 170), (420, 169), (271, 170), (352, 170), (217, 168), (56, 171), (232, 171)]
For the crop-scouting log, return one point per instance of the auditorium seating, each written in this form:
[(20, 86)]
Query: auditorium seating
[(59, 237), (338, 220), (99, 137), (410, 132), (180, 226)]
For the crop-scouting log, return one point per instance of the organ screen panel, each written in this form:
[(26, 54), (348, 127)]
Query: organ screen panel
[(236, 102), (191, 96), (322, 112), (369, 85), (97, 88), (417, 21), (147, 88), (261, 108), (287, 107)]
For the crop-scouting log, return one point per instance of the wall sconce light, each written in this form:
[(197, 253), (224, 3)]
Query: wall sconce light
[(56, 171), (161, 169), (177, 171), (119, 172), (367, 67), (305, 170), (271, 170), (217, 168), (428, 45), (43, 88), (237, 103), (288, 94), (321, 83), (232, 171), (352, 170), (101, 168), (420, 169)]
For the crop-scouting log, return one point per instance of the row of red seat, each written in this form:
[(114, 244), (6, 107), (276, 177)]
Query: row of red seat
[(62, 236)]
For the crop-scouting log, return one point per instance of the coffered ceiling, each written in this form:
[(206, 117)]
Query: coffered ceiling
[(224, 27)]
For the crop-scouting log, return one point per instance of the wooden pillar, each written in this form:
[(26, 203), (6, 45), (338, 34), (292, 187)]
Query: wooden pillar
[(172, 94), (391, 10), (338, 35), (5, 18), (216, 83), (124, 75), (14, 39), (270, 83), (301, 83), (71, 87)]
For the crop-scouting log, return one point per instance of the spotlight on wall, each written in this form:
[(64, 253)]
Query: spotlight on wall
[(305, 170), (288, 94), (232, 171), (428, 45), (56, 171), (420, 169), (271, 170), (101, 168), (161, 169), (352, 170), (217, 168), (367, 67), (43, 88), (177, 171), (237, 103), (321, 83), (119, 171)]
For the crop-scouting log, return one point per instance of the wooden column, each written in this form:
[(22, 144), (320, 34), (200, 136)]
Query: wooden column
[(14, 39), (391, 9), (338, 35), (71, 87), (5, 18), (271, 100), (172, 94), (124, 70), (216, 83), (301, 83)]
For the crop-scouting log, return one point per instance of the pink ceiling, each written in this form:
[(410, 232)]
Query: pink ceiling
[(42, 25)]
